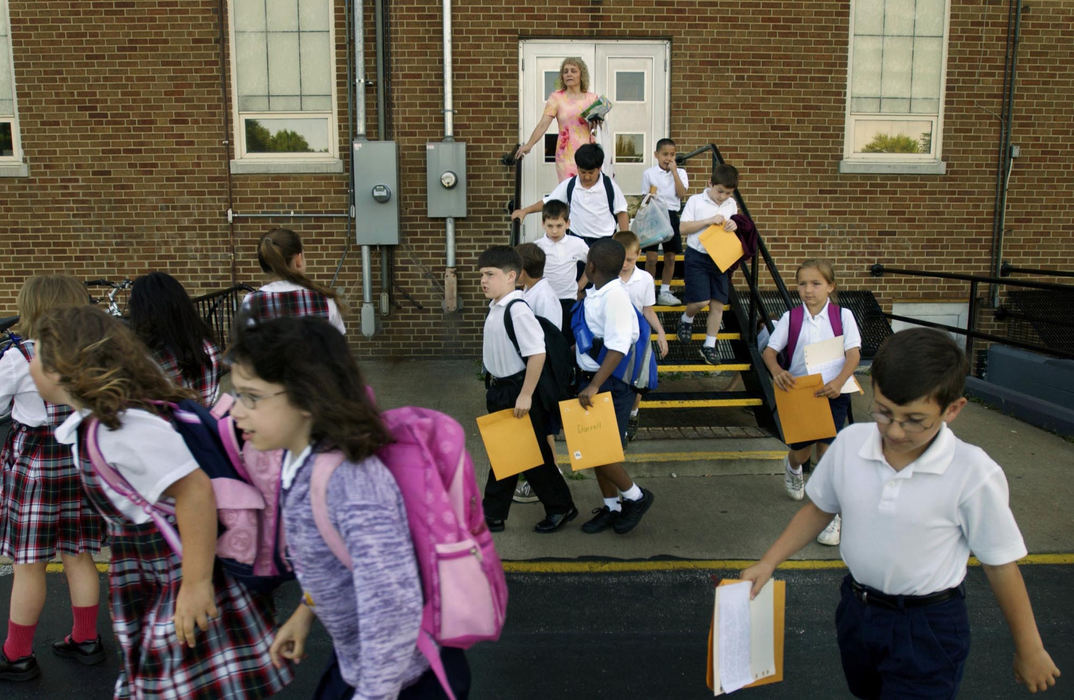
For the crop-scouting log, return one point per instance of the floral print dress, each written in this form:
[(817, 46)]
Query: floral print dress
[(573, 129)]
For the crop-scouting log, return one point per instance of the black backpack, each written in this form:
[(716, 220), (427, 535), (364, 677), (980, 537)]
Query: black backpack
[(557, 375)]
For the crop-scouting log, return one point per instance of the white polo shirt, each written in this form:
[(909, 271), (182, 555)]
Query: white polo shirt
[(910, 532), (145, 449), (497, 352), (544, 302), (701, 206), (665, 185), (815, 329), (611, 316), (560, 263), (18, 391), (589, 213), (641, 288)]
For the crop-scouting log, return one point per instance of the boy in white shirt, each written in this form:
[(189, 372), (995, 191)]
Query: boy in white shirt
[(671, 184), (536, 290), (564, 259), (915, 502), (641, 288), (705, 284)]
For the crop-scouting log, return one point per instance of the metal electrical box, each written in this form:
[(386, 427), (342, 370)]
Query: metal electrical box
[(445, 178), (376, 192)]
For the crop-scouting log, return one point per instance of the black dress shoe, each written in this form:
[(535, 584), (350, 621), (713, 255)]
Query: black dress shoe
[(603, 518), (556, 521), (87, 653), (495, 524), (20, 669), (632, 512)]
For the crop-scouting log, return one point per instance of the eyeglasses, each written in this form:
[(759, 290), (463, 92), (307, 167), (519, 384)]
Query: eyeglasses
[(907, 426), (250, 400)]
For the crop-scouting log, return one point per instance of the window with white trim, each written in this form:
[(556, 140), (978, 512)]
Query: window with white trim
[(895, 86), (283, 80), (10, 147)]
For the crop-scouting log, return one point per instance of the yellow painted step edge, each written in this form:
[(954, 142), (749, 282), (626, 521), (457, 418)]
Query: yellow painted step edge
[(701, 403), (730, 455), (704, 368), (682, 307)]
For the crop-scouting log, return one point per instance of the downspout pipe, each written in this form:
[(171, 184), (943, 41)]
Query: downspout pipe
[(368, 312), (1006, 161), (451, 297)]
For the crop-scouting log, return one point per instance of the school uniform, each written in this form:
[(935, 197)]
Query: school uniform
[(206, 383), (506, 373), (562, 260), (284, 298), (231, 659), (664, 182), (589, 215), (543, 301), (814, 330), (610, 315), (906, 537), (640, 288), (704, 281), (43, 511)]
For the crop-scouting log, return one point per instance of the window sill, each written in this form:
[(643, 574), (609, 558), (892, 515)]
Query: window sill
[(275, 167), (934, 167), (14, 170)]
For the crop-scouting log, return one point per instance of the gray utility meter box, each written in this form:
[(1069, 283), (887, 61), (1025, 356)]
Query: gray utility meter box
[(445, 178), (376, 192)]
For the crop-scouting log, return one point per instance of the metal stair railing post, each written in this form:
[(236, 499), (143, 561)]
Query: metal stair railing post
[(509, 160)]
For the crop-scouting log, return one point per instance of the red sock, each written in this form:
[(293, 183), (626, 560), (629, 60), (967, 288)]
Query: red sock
[(20, 640), (85, 625)]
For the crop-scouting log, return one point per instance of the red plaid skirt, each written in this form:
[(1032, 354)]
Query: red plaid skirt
[(43, 511), (230, 660)]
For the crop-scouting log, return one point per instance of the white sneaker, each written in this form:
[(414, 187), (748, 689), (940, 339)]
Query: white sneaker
[(524, 493), (830, 534), (793, 482), (668, 299)]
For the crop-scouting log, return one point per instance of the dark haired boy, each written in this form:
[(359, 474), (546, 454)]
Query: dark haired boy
[(511, 383), (671, 184), (563, 256), (610, 316), (915, 501), (705, 284), (596, 204)]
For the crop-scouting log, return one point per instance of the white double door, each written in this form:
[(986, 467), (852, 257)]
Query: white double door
[(632, 74)]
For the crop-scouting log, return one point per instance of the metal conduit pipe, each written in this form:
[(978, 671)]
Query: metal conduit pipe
[(368, 313), (451, 296)]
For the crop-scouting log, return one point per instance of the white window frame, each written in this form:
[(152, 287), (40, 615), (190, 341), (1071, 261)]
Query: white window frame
[(912, 163), (246, 162), (13, 165)]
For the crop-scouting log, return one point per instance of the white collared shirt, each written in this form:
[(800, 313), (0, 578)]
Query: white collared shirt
[(544, 302), (609, 315), (589, 213), (701, 206), (17, 389), (291, 464), (641, 288), (560, 263), (910, 532), (497, 352), (144, 449), (815, 329), (665, 186)]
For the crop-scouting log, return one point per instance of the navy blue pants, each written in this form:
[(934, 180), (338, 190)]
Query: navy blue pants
[(427, 687), (911, 652)]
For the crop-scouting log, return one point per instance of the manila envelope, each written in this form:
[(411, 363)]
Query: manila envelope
[(593, 437), (723, 246), (510, 442), (802, 415)]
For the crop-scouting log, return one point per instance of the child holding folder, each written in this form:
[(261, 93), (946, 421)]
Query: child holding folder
[(817, 319)]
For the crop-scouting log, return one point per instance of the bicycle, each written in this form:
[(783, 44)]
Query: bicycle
[(113, 306)]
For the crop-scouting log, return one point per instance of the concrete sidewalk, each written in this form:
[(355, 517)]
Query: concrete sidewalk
[(721, 508)]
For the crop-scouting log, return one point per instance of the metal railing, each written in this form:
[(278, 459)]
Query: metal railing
[(218, 310), (1007, 269)]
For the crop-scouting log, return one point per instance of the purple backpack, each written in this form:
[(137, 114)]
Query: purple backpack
[(463, 583), (797, 318)]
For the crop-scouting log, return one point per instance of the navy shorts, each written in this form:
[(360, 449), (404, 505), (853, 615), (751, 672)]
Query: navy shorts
[(902, 652), (673, 244), (840, 407), (622, 400), (704, 281)]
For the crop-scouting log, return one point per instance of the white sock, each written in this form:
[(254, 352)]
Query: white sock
[(793, 469), (613, 503), (633, 493), (710, 341), (633, 412), (665, 289), (687, 319)]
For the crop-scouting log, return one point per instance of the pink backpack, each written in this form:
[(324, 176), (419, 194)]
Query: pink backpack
[(463, 582)]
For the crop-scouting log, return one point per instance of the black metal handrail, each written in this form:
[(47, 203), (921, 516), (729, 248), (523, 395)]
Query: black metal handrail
[(971, 332), (509, 161), (1007, 269), (218, 309)]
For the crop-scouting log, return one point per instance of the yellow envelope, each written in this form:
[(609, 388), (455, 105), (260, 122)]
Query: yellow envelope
[(510, 443), (723, 246), (593, 437), (802, 415)]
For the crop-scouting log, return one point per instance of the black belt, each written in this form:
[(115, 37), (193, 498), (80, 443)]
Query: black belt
[(516, 378), (871, 596)]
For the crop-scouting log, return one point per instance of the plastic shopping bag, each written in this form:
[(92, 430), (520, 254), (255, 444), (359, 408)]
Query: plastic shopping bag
[(652, 223)]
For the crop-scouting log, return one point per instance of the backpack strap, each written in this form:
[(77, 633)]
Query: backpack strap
[(570, 192), (324, 465), (835, 317), (608, 190), (509, 326), (157, 512), (796, 319)]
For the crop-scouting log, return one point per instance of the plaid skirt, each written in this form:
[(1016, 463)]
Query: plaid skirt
[(230, 660), (43, 511)]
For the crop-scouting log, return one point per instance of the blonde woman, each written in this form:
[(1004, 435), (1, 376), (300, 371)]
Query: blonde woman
[(565, 105)]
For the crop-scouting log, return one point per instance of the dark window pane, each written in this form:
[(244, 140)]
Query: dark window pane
[(550, 147), (7, 147)]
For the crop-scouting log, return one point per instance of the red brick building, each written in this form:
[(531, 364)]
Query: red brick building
[(119, 151)]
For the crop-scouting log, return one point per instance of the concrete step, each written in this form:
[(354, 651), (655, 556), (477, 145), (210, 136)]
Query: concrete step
[(703, 457)]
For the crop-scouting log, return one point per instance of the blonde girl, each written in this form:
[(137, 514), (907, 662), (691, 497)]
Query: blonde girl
[(42, 509)]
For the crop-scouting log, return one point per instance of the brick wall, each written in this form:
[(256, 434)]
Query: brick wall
[(123, 123)]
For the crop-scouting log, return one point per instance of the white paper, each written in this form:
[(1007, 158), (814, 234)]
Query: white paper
[(762, 634), (821, 356), (734, 631)]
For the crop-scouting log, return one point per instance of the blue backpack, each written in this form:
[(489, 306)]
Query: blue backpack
[(638, 367)]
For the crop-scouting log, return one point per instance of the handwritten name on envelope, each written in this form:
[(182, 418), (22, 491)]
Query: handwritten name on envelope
[(593, 437)]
